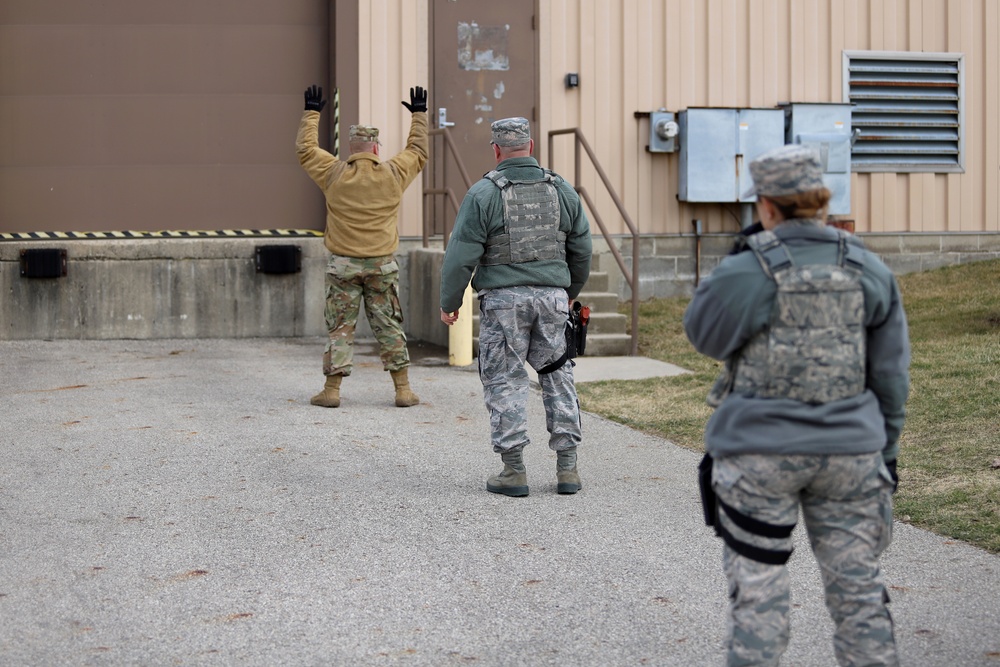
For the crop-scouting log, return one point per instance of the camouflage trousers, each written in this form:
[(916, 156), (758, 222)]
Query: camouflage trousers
[(375, 280), (521, 325), (846, 503)]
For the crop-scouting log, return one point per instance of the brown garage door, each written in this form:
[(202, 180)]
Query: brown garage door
[(180, 115)]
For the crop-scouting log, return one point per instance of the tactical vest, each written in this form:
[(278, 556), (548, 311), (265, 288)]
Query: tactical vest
[(813, 349), (530, 221)]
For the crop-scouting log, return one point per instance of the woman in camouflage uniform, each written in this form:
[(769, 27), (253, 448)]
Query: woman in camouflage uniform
[(808, 414)]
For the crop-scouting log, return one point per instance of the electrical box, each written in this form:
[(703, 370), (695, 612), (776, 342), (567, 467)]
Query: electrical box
[(717, 146), (663, 130), (827, 128)]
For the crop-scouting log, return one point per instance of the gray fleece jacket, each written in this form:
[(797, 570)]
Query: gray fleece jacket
[(734, 303)]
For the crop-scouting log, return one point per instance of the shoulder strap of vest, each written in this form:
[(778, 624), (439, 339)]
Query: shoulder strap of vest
[(851, 252), (502, 181), (498, 179), (552, 176), (770, 252)]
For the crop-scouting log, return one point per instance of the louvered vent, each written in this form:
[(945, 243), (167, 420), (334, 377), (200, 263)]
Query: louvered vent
[(908, 111)]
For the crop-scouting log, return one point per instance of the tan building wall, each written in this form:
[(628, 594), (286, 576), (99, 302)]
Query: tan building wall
[(393, 52), (641, 55), (181, 116), (205, 157)]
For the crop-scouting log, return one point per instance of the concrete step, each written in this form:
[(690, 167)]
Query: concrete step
[(602, 302), (606, 323), (597, 282), (608, 344)]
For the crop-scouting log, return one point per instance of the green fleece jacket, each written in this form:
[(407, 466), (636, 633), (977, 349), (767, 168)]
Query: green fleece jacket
[(481, 217), (363, 193)]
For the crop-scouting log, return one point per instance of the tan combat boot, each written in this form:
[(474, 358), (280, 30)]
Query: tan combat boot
[(404, 395), (330, 396), (512, 480), (567, 479)]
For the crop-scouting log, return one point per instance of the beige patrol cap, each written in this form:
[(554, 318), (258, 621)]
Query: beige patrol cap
[(365, 133)]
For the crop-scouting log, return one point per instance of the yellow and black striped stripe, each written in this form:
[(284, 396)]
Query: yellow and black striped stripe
[(179, 234)]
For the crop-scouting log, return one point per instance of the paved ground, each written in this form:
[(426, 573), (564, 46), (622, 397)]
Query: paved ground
[(181, 503)]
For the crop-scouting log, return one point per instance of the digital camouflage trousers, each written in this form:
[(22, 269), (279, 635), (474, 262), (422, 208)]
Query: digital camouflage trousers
[(374, 280), (520, 325), (846, 504)]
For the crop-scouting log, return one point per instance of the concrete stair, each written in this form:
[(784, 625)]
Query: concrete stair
[(607, 333)]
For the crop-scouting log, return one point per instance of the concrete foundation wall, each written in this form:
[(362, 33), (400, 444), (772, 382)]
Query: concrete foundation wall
[(169, 288), (209, 288), (193, 288), (667, 263)]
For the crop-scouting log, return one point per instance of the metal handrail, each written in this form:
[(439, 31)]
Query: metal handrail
[(448, 192), (633, 280)]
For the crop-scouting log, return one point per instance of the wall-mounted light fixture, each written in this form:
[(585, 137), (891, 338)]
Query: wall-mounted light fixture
[(572, 80)]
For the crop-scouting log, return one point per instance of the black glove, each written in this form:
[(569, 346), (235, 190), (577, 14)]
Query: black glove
[(891, 465), (314, 98), (418, 100)]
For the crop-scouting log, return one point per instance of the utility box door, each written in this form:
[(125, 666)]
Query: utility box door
[(827, 128), (708, 147), (717, 146), (759, 131)]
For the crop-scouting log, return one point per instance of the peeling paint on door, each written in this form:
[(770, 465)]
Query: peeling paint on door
[(482, 47), (484, 104)]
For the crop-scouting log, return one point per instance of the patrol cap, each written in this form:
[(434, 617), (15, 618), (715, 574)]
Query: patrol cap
[(511, 132), (364, 133), (788, 170)]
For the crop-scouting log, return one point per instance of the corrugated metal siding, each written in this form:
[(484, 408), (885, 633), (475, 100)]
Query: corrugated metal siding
[(392, 57), (640, 55)]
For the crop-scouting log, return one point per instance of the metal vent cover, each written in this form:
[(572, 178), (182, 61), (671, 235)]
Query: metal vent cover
[(908, 111)]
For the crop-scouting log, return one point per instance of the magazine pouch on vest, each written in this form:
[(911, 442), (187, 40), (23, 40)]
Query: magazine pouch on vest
[(530, 220), (813, 349)]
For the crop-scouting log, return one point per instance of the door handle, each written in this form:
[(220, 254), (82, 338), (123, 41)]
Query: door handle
[(443, 118)]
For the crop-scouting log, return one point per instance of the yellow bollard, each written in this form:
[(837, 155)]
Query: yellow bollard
[(460, 333)]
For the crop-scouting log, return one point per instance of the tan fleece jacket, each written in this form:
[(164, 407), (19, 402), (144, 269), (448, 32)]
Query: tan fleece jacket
[(363, 193)]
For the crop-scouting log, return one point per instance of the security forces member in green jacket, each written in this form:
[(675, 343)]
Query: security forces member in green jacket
[(522, 229), (363, 195), (808, 415)]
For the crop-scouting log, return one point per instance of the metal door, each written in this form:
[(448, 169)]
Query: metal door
[(122, 115), (483, 67)]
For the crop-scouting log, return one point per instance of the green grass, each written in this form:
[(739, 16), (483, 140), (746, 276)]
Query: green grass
[(951, 440)]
